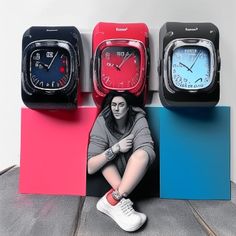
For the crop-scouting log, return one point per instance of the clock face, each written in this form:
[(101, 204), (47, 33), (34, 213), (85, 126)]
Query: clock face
[(190, 68), (120, 67), (49, 68)]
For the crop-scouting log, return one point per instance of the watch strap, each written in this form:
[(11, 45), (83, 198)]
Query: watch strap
[(107, 31), (68, 33)]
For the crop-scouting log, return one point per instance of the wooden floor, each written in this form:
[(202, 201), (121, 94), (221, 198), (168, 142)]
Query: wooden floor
[(48, 215)]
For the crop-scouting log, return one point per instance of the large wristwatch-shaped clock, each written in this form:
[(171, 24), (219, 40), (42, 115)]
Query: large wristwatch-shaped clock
[(120, 59), (51, 67), (189, 64)]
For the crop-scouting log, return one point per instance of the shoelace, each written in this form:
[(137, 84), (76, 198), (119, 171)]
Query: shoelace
[(126, 206)]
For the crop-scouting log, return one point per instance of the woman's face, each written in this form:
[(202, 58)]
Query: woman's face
[(119, 107)]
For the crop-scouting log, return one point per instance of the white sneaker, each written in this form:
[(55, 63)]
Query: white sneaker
[(142, 216), (122, 213)]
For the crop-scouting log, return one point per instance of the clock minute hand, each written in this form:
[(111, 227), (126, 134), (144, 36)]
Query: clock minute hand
[(195, 60), (52, 60), (124, 60)]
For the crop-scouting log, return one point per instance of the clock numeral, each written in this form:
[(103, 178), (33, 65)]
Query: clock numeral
[(178, 55), (109, 64), (107, 55), (63, 81), (35, 80), (36, 57), (106, 79), (120, 54), (134, 81), (49, 54), (177, 65)]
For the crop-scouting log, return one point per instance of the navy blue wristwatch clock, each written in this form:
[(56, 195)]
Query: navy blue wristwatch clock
[(189, 64), (50, 67)]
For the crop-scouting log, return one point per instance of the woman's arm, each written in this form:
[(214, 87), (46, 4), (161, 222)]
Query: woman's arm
[(95, 163)]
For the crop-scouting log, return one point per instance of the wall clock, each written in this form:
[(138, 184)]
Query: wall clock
[(189, 65), (120, 59), (51, 59)]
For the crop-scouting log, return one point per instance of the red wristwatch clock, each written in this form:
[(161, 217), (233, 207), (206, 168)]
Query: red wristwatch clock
[(120, 59)]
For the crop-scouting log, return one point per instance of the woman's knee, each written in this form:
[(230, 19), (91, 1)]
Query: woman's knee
[(90, 169)]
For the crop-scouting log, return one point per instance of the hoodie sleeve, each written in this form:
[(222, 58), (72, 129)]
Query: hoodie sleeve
[(143, 139), (98, 142)]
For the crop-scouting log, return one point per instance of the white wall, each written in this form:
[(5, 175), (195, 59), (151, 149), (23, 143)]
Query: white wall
[(17, 16)]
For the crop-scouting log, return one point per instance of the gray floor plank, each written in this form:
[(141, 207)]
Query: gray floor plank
[(25, 214), (233, 192), (165, 217), (6, 169), (220, 216)]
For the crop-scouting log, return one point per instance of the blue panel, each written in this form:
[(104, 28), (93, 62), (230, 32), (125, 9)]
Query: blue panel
[(194, 151)]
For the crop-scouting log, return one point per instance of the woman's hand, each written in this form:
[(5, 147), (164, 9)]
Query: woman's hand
[(126, 143)]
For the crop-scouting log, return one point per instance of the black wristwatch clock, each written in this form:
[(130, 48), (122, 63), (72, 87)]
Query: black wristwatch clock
[(51, 67), (189, 64)]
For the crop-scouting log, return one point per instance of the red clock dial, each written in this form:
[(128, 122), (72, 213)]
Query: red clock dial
[(120, 67)]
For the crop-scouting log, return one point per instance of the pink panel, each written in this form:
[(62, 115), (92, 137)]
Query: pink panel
[(54, 150)]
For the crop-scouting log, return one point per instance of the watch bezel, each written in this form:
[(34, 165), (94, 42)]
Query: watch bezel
[(181, 42), (47, 43), (138, 88)]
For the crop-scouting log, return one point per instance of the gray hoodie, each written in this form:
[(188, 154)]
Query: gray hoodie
[(101, 139)]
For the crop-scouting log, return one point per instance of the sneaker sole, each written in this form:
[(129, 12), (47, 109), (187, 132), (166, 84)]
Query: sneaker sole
[(101, 208)]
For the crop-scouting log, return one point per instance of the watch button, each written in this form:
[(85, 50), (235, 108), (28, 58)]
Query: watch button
[(218, 61)]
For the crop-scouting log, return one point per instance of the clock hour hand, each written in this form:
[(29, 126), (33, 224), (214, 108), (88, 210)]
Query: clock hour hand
[(185, 66), (52, 60), (43, 64), (116, 66)]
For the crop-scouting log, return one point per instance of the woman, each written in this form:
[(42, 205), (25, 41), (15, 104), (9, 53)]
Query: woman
[(122, 148)]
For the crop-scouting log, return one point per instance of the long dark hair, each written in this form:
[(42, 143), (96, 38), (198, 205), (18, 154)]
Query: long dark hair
[(110, 122)]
